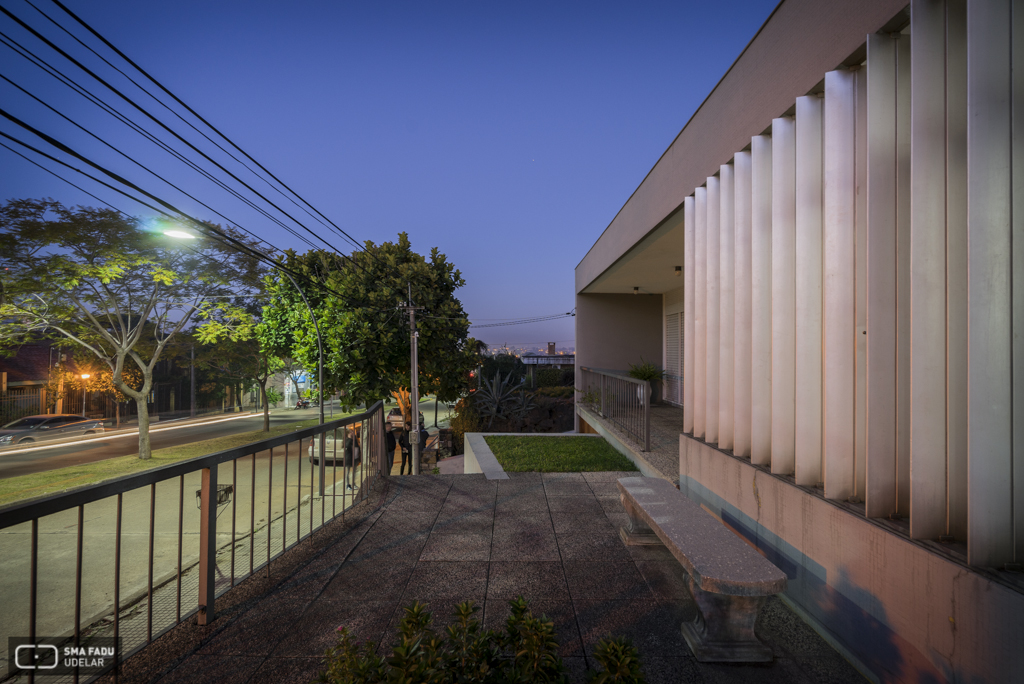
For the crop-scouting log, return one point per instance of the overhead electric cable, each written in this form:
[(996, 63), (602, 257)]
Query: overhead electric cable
[(196, 114), (84, 68), (206, 228), (67, 81)]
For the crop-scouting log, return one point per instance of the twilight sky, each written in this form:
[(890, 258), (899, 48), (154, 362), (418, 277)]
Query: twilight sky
[(508, 135)]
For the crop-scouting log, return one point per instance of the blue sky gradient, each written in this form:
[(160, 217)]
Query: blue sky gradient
[(506, 134)]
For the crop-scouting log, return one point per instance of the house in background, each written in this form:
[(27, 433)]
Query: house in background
[(828, 261), (553, 359), (25, 375)]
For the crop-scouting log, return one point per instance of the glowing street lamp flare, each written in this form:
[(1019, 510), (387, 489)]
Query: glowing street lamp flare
[(179, 234)]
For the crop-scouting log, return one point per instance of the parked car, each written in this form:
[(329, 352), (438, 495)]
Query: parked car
[(39, 428), (395, 420)]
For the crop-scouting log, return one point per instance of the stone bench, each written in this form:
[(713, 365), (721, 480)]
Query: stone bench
[(728, 579)]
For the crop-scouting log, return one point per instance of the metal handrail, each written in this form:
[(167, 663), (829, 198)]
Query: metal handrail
[(165, 585), (628, 409)]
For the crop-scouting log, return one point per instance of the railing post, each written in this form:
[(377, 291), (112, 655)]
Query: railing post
[(207, 545), (647, 415), (603, 414)]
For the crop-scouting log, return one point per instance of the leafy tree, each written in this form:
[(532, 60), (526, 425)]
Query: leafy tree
[(365, 333), (233, 348), (114, 285)]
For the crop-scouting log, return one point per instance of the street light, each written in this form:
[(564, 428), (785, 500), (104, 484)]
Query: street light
[(85, 376), (185, 235)]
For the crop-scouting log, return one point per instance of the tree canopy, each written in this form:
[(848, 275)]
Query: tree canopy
[(365, 332), (114, 285)]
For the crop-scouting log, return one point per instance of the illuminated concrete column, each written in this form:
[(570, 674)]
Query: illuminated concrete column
[(860, 274), (761, 299), (880, 498), (688, 298), (928, 270), (903, 276), (995, 155), (807, 390), (956, 269), (727, 317), (838, 284), (713, 311), (741, 330), (783, 293), (700, 308)]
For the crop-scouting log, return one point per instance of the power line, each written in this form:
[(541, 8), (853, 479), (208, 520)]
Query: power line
[(131, 102)]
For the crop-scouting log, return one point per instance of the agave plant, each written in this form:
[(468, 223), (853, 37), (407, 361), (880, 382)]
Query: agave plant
[(497, 398)]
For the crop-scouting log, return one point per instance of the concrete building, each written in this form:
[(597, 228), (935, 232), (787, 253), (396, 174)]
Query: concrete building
[(829, 261)]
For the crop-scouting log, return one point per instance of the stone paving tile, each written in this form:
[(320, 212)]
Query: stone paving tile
[(457, 547), (666, 578), (214, 668), (288, 671), (831, 669), (576, 666), (523, 522), (548, 477), (609, 476), (389, 545), (463, 523), (781, 671), (578, 505), (592, 547), (610, 504), (787, 634), (605, 580), (561, 613), (524, 544), (573, 523), (369, 581), (531, 580), (605, 488), (683, 669), (447, 580), (317, 629), (257, 631), (567, 488), (653, 626)]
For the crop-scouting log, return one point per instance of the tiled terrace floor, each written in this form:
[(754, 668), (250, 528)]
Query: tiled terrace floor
[(447, 538)]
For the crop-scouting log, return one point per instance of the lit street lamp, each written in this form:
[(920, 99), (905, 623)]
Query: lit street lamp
[(85, 376)]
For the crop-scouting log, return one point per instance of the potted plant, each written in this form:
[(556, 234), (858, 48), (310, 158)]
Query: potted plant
[(645, 370)]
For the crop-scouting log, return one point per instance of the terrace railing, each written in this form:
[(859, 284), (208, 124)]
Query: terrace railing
[(132, 557), (623, 401)]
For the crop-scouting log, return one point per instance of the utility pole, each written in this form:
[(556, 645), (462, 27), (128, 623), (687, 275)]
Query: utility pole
[(414, 395), (192, 389)]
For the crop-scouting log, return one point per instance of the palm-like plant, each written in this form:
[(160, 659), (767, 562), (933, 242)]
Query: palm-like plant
[(502, 397)]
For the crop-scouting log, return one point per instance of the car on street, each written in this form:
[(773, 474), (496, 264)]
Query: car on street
[(39, 428)]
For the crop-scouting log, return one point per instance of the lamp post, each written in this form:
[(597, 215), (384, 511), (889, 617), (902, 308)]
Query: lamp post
[(183, 234), (85, 376)]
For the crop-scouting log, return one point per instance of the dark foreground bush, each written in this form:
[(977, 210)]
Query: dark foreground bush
[(526, 651)]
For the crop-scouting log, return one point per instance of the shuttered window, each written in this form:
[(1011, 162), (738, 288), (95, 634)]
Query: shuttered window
[(674, 358)]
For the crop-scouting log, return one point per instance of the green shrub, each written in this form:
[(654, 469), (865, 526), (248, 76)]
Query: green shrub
[(465, 419), (549, 377), (556, 392), (527, 651), (273, 397), (619, 661)]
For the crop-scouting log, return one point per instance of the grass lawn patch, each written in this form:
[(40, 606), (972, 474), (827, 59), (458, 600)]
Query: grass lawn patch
[(15, 489), (572, 454)]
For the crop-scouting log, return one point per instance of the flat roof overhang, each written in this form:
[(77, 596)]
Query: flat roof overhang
[(787, 58)]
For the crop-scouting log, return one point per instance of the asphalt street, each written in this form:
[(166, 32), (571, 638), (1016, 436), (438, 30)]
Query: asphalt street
[(119, 444)]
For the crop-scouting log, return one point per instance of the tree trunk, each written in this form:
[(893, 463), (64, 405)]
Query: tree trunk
[(117, 414), (144, 449), (266, 406)]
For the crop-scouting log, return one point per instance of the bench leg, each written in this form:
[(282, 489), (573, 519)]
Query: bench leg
[(637, 533), (723, 631)]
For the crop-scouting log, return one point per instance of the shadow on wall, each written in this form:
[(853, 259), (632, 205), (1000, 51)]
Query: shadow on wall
[(837, 604)]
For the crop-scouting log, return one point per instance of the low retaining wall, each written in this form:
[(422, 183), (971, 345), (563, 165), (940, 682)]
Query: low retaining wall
[(896, 609)]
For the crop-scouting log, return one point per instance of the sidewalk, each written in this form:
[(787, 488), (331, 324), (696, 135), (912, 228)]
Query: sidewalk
[(442, 539)]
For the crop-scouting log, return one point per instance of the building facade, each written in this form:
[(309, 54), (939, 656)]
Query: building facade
[(829, 260)]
